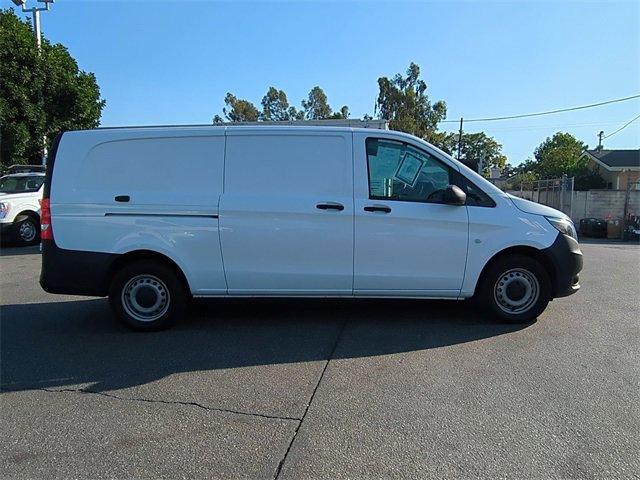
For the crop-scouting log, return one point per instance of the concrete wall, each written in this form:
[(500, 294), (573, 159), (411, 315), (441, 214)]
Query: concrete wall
[(603, 204)]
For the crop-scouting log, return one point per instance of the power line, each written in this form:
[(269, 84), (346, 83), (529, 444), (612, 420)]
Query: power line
[(537, 114), (547, 127), (622, 127)]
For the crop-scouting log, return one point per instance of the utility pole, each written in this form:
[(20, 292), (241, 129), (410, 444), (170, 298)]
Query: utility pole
[(626, 205), (36, 28), (460, 139), (35, 16), (563, 185), (600, 135)]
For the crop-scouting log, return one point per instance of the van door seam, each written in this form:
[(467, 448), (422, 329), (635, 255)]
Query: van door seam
[(353, 214), (224, 180), (466, 258)]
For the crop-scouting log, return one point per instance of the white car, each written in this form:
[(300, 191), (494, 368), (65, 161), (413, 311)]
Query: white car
[(20, 195), (153, 216)]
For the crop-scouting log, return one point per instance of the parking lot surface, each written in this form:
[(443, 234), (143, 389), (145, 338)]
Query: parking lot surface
[(323, 389)]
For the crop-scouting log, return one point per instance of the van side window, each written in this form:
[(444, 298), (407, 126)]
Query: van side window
[(398, 171)]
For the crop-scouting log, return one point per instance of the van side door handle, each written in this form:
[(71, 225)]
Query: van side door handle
[(377, 208), (122, 198), (330, 206)]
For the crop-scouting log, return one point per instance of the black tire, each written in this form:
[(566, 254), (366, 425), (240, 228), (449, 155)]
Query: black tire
[(148, 285), (27, 230), (511, 280)]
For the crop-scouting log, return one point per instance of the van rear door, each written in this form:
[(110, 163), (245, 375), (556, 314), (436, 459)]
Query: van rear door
[(286, 214)]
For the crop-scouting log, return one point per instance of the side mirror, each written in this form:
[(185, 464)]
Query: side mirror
[(453, 195)]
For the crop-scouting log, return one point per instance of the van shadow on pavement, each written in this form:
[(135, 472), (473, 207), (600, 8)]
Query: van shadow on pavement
[(8, 249), (58, 344)]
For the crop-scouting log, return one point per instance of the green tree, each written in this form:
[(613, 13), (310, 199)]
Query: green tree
[(343, 113), (40, 94), (522, 175), (316, 107), (558, 155), (404, 102), (508, 170), (525, 180), (238, 110), (561, 155), (586, 178), (275, 107), (476, 147)]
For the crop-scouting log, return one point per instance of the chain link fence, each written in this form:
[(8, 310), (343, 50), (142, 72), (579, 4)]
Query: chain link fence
[(554, 192)]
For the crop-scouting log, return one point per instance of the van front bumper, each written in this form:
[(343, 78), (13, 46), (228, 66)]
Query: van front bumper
[(565, 257)]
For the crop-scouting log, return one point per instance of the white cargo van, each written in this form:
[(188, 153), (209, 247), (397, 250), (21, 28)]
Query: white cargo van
[(154, 216)]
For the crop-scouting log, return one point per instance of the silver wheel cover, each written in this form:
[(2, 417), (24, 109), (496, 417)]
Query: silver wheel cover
[(154, 289), (526, 283)]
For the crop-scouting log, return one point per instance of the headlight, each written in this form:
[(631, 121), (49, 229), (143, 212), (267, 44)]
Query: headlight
[(564, 226), (4, 209)]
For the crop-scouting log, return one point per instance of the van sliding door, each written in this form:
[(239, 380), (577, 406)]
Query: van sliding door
[(286, 214)]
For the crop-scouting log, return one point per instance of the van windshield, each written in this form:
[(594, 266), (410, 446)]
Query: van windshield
[(21, 183)]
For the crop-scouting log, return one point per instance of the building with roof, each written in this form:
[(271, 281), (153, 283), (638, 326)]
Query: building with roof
[(617, 167)]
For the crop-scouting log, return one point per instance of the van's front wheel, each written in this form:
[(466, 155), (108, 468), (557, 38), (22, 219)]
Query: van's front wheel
[(516, 289), (147, 295)]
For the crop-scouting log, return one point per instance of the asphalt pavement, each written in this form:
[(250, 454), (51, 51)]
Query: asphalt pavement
[(323, 388)]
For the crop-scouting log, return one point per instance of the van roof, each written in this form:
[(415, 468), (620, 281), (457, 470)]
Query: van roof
[(254, 126), (243, 126), (249, 127), (202, 128), (380, 124)]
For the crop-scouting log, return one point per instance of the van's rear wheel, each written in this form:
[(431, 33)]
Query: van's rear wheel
[(516, 289), (147, 295)]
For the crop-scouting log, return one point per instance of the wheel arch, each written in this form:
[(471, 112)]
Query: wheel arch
[(27, 213), (528, 251), (142, 254)]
